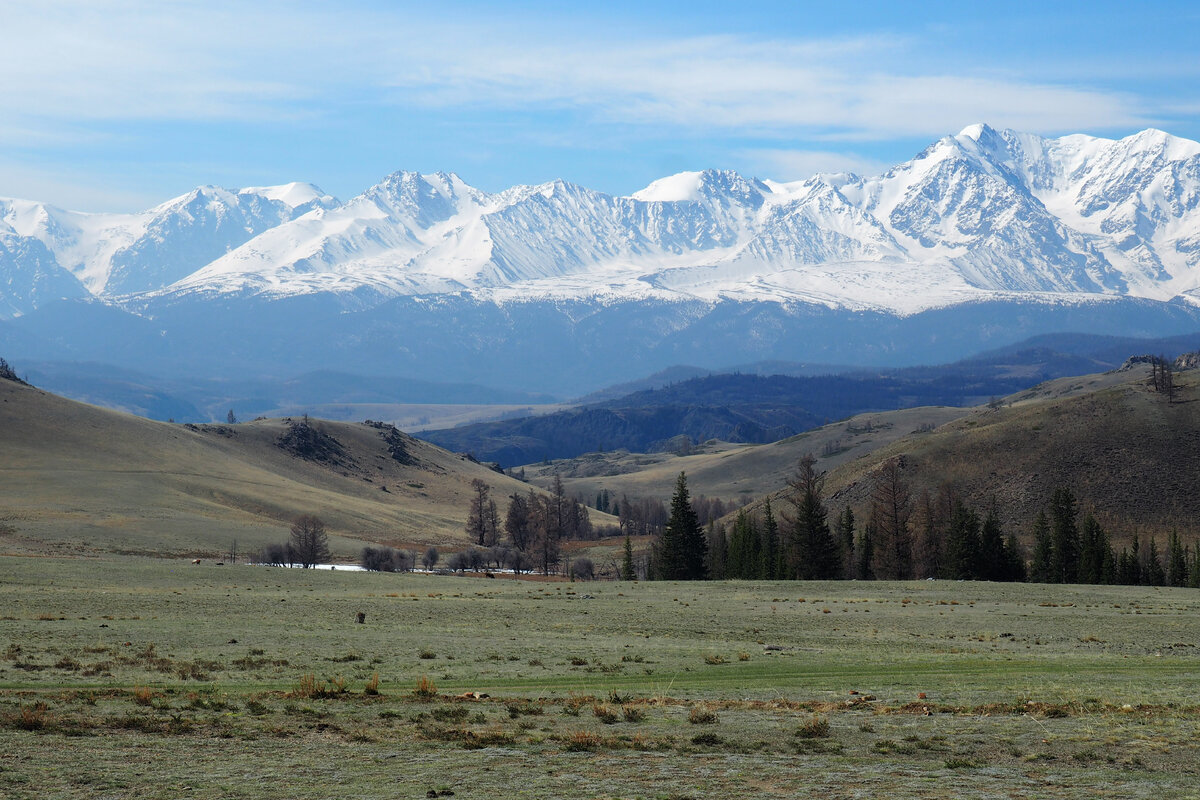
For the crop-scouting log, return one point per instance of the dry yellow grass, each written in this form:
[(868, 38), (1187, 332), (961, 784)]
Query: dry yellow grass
[(76, 479), (1123, 450)]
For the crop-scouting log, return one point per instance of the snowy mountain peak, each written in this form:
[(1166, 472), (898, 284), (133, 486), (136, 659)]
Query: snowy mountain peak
[(986, 212), (705, 184), (293, 194), (678, 188)]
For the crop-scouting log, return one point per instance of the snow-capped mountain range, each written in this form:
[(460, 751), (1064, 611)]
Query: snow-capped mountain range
[(982, 213), (982, 217)]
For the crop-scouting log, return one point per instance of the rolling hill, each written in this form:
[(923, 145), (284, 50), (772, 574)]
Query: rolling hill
[(1127, 454), (80, 480), (752, 407)]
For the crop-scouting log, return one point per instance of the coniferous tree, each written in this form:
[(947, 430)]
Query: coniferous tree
[(517, 521), (1193, 580), (962, 544), (546, 530), (1094, 552), (717, 552), (1040, 571), (628, 573), (1064, 536), (812, 552), (744, 559), (480, 519), (309, 543), (845, 538), (994, 562), (1176, 562), (682, 551), (1015, 560), (864, 553), (771, 551), (1129, 565), (929, 522), (1153, 573)]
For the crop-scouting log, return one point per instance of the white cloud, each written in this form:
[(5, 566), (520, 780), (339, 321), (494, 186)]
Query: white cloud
[(793, 165), (213, 60), (71, 190)]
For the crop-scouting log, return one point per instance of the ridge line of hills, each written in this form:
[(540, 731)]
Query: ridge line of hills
[(752, 408), (80, 480)]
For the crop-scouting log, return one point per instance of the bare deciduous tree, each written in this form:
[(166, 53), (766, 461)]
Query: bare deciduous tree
[(430, 558), (309, 542), (890, 511)]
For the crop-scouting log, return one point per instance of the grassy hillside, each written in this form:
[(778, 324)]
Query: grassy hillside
[(78, 480), (1123, 449), (735, 472), (1127, 453)]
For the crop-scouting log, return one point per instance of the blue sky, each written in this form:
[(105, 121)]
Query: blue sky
[(109, 105)]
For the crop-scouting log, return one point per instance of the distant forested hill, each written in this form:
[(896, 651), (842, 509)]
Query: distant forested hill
[(756, 408)]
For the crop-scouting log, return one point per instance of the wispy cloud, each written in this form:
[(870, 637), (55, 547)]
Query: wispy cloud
[(137, 60), (790, 165), (71, 188), (155, 97), (843, 88)]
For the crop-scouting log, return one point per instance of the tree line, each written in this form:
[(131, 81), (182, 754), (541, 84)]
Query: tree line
[(933, 535)]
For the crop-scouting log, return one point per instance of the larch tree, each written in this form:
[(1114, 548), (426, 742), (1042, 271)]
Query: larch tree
[(890, 512), (477, 517), (309, 541), (518, 521)]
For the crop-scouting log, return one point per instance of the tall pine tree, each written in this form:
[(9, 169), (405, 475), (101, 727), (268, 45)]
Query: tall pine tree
[(1177, 569), (1095, 553), (994, 560), (682, 552), (771, 550), (628, 572), (744, 559), (812, 552), (1064, 537), (1040, 571), (845, 539), (962, 544)]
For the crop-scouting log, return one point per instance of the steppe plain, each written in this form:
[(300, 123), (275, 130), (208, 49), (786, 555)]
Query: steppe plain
[(130, 677)]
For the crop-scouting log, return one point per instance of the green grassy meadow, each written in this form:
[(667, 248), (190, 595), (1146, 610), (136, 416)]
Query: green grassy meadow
[(150, 678)]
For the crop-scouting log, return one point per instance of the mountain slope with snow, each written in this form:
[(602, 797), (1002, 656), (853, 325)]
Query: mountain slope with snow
[(982, 239), (979, 215)]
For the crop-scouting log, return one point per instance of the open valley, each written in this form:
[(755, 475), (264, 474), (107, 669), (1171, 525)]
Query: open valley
[(118, 677)]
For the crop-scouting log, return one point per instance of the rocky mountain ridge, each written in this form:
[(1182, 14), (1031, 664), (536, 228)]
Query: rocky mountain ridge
[(982, 214)]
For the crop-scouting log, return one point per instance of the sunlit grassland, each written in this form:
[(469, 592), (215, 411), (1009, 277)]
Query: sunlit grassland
[(247, 681)]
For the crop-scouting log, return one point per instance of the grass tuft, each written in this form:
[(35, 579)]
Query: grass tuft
[(425, 687), (815, 728)]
